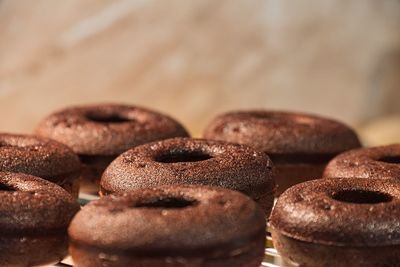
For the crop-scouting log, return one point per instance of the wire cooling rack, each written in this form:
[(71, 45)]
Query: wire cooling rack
[(271, 256)]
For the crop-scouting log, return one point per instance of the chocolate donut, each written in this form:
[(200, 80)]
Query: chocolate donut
[(339, 222), (40, 157), (99, 133), (175, 226), (381, 162), (35, 215), (300, 145), (196, 162)]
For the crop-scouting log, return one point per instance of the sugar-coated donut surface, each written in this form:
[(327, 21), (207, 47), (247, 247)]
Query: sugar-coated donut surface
[(33, 205), (37, 156), (379, 162), (340, 212), (34, 218), (108, 129), (179, 223), (283, 133), (191, 161)]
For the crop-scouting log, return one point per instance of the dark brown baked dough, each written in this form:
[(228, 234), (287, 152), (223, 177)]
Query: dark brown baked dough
[(334, 222), (299, 144), (169, 226), (380, 162), (193, 161), (40, 157), (99, 133), (35, 215)]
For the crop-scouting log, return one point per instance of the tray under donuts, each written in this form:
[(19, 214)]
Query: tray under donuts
[(271, 257)]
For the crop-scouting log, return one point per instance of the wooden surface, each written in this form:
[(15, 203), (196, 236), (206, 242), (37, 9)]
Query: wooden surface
[(193, 59)]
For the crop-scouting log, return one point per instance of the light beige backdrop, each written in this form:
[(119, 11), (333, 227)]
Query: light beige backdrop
[(193, 59)]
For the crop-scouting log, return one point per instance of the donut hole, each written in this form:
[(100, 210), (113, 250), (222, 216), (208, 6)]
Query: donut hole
[(390, 159), (166, 203), (108, 118), (5, 187), (362, 196), (182, 156)]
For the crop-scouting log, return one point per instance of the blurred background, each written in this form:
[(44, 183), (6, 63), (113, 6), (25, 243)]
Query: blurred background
[(194, 59)]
